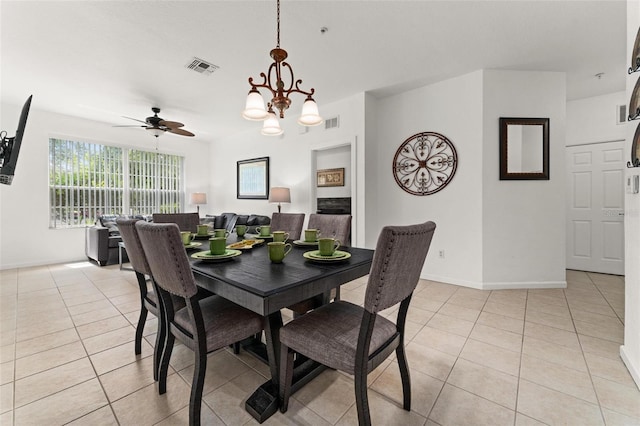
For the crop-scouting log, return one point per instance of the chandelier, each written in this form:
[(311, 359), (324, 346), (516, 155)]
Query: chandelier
[(273, 81)]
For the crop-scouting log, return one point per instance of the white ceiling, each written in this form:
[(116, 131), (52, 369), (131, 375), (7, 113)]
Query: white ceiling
[(105, 59)]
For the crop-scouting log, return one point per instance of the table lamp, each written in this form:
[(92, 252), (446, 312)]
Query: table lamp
[(198, 198), (279, 195)]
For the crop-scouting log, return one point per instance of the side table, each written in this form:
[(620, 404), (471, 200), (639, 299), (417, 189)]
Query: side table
[(120, 248)]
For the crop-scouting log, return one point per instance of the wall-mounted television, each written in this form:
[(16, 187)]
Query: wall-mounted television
[(10, 147)]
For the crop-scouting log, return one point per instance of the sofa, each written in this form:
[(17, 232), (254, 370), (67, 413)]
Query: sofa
[(228, 221), (101, 239)]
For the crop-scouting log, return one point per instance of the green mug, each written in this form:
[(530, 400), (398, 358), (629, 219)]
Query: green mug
[(278, 251), (328, 246), (186, 237), (203, 229), (311, 235), (264, 230), (217, 245), (280, 236), (241, 230), (220, 233)]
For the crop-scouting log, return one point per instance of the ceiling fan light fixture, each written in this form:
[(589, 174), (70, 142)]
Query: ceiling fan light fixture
[(310, 115), (254, 107), (155, 131)]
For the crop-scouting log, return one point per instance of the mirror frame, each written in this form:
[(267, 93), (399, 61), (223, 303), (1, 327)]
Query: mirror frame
[(504, 173)]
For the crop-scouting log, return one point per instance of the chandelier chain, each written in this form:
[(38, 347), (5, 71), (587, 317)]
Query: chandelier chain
[(278, 21)]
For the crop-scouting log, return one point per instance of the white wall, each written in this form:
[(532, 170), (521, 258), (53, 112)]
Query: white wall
[(452, 108), (523, 222), (25, 237), (630, 351), (495, 234), (593, 120), (291, 161)]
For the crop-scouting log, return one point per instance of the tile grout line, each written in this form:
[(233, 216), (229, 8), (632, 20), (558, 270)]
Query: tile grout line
[(604, 421), (444, 382), (524, 324), (97, 377)]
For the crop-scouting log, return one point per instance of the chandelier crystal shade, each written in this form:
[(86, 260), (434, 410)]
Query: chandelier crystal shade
[(273, 81)]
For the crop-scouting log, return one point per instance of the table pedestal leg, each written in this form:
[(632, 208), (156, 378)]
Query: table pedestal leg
[(263, 403)]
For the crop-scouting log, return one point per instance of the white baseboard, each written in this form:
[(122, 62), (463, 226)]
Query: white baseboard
[(524, 284), (454, 281), (40, 262), (511, 285), (634, 369)]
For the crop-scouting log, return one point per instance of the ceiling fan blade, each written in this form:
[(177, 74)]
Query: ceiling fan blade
[(134, 119), (129, 125), (181, 132), (170, 124)]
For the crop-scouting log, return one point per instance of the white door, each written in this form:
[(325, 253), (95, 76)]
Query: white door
[(595, 207)]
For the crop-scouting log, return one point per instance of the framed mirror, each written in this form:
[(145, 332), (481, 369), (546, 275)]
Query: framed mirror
[(524, 148)]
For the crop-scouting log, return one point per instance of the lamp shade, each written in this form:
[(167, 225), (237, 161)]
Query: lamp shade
[(198, 198), (254, 107), (310, 115), (279, 195), (271, 126)]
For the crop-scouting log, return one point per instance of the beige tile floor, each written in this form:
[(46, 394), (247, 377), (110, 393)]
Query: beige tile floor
[(513, 357)]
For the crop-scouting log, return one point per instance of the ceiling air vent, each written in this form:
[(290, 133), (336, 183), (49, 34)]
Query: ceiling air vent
[(621, 114), (331, 123), (201, 66)]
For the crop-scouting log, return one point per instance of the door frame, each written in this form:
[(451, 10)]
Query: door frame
[(353, 178)]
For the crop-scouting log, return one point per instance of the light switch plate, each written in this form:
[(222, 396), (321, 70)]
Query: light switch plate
[(633, 184)]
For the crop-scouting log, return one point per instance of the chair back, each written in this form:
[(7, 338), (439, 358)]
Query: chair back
[(288, 222), (336, 226), (397, 263), (185, 221), (129, 234), (167, 258)]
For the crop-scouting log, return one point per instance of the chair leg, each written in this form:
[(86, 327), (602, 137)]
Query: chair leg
[(362, 400), (195, 403), (140, 329), (286, 376), (405, 377), (158, 350), (164, 363)]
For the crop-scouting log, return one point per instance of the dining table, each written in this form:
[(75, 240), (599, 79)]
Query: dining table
[(252, 281)]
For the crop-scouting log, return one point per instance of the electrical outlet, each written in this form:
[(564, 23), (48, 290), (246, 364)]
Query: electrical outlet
[(441, 254)]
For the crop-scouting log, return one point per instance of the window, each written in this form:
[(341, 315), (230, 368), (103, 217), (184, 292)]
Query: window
[(155, 182), (87, 180)]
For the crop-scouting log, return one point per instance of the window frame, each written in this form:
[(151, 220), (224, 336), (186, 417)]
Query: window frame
[(92, 179)]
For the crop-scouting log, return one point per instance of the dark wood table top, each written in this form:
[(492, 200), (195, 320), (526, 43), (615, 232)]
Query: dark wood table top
[(253, 281)]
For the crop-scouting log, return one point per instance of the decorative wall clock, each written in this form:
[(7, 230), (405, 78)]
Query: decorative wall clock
[(425, 163)]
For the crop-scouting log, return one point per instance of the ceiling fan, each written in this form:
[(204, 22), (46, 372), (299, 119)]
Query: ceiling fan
[(157, 126)]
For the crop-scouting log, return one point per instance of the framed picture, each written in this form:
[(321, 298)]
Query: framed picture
[(253, 179), (331, 177)]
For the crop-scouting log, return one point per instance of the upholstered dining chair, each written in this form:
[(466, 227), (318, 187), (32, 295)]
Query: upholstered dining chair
[(288, 222), (355, 339), (185, 221), (336, 226), (148, 298), (203, 325)]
